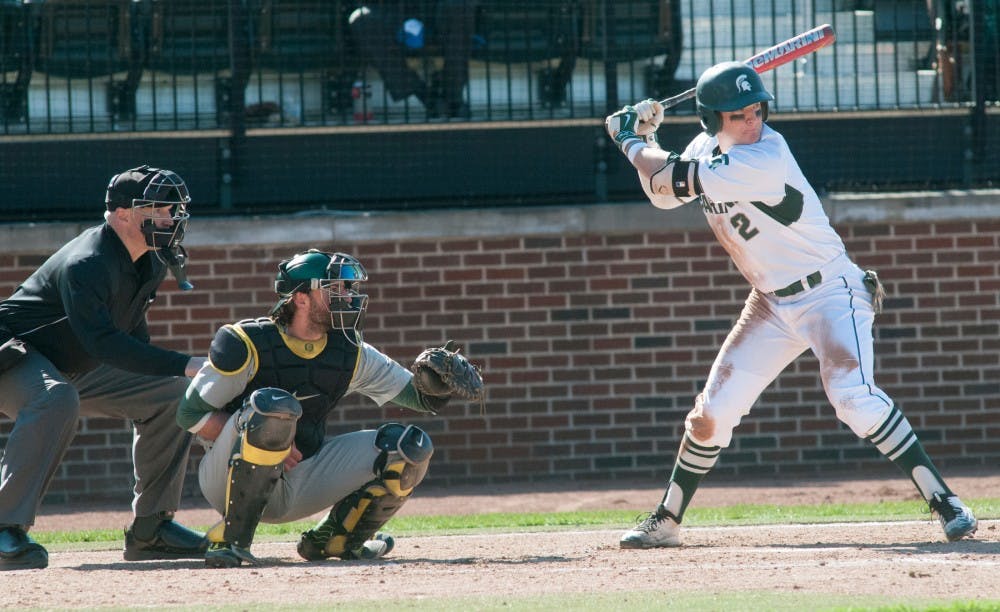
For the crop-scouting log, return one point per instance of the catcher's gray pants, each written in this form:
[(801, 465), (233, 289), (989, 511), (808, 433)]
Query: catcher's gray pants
[(342, 465), (46, 405)]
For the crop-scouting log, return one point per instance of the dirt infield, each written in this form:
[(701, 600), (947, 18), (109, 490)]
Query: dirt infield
[(908, 559)]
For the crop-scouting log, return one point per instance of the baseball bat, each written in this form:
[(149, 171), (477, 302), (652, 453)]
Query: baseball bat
[(778, 55)]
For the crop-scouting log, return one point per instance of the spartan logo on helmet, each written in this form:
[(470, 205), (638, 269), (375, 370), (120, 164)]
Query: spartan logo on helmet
[(339, 275), (715, 93)]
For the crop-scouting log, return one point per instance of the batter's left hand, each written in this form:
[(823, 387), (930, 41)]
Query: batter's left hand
[(650, 114)]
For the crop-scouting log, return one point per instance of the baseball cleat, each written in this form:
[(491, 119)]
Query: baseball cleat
[(956, 518), (379, 546), (312, 548), (19, 551), (657, 530), (171, 540), (220, 555), (224, 555)]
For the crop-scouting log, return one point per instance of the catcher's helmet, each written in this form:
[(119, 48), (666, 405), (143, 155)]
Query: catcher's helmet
[(728, 86), (146, 187), (339, 274)]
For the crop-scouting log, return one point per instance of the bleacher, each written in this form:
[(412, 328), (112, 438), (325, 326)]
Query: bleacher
[(105, 65), (268, 105)]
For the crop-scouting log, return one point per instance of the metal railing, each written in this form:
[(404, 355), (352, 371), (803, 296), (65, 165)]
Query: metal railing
[(92, 66)]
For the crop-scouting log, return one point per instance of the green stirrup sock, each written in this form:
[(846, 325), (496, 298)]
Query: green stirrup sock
[(693, 462)]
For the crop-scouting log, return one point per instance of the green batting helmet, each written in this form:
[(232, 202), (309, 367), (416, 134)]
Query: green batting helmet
[(728, 86)]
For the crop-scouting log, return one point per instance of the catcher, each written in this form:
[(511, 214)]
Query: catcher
[(260, 406)]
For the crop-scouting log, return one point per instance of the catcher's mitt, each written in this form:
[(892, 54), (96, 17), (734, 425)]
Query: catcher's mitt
[(444, 372)]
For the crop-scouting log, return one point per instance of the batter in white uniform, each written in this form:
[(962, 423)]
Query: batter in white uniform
[(806, 292)]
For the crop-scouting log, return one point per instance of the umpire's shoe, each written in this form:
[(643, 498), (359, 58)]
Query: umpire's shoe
[(19, 551), (956, 518), (160, 537), (658, 530)]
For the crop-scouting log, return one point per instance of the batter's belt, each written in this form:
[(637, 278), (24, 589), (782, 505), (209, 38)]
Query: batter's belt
[(798, 286)]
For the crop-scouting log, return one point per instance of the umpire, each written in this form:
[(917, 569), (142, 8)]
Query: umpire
[(75, 342)]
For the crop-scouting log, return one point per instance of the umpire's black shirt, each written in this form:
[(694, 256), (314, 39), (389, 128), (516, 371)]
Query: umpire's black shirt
[(87, 305)]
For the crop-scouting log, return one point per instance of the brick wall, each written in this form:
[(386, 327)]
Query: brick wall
[(595, 328)]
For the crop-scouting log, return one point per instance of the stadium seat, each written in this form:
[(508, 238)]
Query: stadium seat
[(533, 32), (527, 32), (189, 36), (17, 54), (634, 30), (299, 35), (94, 39), (192, 38)]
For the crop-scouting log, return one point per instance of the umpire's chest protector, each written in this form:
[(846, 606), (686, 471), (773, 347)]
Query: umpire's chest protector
[(317, 381)]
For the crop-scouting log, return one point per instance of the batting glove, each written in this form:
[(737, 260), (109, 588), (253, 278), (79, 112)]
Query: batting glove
[(650, 114), (621, 124)]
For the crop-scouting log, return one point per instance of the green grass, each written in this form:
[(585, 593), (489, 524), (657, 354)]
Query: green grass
[(743, 514), (744, 601)]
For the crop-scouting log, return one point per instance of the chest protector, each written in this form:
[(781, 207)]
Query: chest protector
[(318, 382)]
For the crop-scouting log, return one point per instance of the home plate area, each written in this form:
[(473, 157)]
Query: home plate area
[(905, 558)]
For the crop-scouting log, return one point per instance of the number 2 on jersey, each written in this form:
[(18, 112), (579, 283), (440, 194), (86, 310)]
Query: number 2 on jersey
[(742, 224)]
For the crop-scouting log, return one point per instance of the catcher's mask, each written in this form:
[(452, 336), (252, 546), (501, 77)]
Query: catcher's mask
[(143, 189), (339, 275), (725, 87)]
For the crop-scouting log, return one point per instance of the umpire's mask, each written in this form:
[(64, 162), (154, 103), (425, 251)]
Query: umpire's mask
[(143, 189)]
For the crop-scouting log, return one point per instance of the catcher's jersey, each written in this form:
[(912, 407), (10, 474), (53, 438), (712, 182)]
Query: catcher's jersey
[(763, 211), (376, 376)]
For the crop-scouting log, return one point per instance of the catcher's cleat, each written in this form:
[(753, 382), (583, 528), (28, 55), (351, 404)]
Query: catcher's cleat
[(169, 540), (223, 555), (379, 546), (956, 518), (18, 551), (657, 530), (311, 547)]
